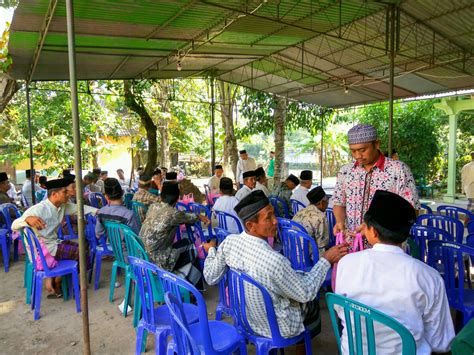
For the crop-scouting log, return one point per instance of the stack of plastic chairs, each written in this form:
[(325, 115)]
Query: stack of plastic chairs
[(354, 312), (422, 234), (451, 225), (455, 212), (6, 240)]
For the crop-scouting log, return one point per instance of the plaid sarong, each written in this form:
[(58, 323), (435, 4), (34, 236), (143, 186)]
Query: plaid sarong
[(68, 250)]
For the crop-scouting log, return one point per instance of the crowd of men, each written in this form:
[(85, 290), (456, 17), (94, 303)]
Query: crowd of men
[(374, 195)]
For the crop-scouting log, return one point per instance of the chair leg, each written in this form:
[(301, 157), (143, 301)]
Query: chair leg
[(128, 281), (37, 300), (136, 307), (112, 282), (91, 271), (77, 294), (15, 250), (243, 348), (138, 345), (160, 342), (28, 281), (307, 343), (5, 253), (98, 266)]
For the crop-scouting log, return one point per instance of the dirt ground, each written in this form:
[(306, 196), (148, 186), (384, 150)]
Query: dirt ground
[(59, 330)]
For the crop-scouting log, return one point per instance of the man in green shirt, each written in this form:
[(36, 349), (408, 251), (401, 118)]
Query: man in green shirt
[(271, 170)]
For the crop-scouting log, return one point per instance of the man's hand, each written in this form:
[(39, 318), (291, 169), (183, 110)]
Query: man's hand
[(35, 222), (339, 227), (207, 246), (335, 254), (204, 219)]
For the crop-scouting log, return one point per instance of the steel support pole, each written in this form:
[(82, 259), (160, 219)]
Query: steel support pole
[(321, 163), (33, 175), (392, 78), (78, 171), (213, 128)]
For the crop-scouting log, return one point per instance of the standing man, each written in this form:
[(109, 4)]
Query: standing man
[(357, 182), (124, 182), (26, 189), (215, 179), (244, 164), (271, 169), (467, 178), (249, 185), (299, 194), (4, 187)]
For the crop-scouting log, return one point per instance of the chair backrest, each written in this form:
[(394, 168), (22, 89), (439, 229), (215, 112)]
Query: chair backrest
[(354, 312), (300, 248), (139, 210), (422, 234), (451, 225), (239, 286), (296, 206), (207, 192), (288, 223), (35, 249), (9, 209), (428, 209), (97, 199), (23, 200), (470, 226), (454, 212), (182, 207), (331, 223), (220, 234), (70, 230), (39, 195), (448, 258), (116, 233), (280, 206), (199, 209), (127, 199), (224, 221)]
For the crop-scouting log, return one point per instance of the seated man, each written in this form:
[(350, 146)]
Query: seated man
[(261, 181), (157, 182), (124, 182), (306, 181), (4, 187), (45, 218), (143, 195), (215, 179), (248, 186), (226, 203), (26, 189), (313, 217), (285, 189), (115, 210), (293, 293), (393, 282)]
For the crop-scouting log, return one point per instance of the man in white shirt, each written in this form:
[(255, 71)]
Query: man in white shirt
[(244, 164), (261, 181), (226, 203), (299, 194), (249, 185), (26, 189), (393, 282), (124, 182), (467, 178), (215, 179)]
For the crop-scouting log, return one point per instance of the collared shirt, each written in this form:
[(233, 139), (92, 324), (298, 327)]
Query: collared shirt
[(116, 213), (52, 217), (288, 289), (315, 222), (356, 187), (402, 287), (262, 187), (284, 192), (243, 166), (299, 194), (145, 197), (213, 183), (226, 204), (467, 177), (26, 191), (124, 183), (12, 193), (158, 232), (244, 191)]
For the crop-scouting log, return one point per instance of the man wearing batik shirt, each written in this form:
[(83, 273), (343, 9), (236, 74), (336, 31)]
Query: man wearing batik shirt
[(284, 191), (293, 293), (357, 182), (313, 217)]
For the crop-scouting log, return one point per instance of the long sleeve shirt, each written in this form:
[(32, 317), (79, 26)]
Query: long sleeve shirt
[(393, 282), (116, 213), (299, 194), (288, 288), (26, 191), (262, 187), (243, 166), (52, 216), (213, 183), (226, 204), (244, 191)]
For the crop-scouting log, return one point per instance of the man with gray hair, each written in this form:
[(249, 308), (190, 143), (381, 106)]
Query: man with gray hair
[(357, 181)]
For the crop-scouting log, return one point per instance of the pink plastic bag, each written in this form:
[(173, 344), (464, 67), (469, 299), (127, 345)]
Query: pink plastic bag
[(50, 260), (357, 245)]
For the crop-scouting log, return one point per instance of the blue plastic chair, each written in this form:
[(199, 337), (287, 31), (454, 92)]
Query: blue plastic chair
[(470, 226), (99, 249), (223, 306), (427, 208), (280, 206), (70, 234), (40, 194), (287, 223), (24, 201), (450, 257), (153, 319), (451, 225), (209, 337), (455, 212), (97, 199), (296, 206), (226, 220), (6, 241), (331, 223), (199, 209), (127, 199), (180, 206), (64, 268), (300, 248), (354, 312), (238, 282), (422, 234), (139, 210)]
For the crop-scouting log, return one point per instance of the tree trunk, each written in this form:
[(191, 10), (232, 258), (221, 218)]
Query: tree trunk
[(230, 155), (279, 118), (95, 153), (135, 104), (8, 88), (163, 90)]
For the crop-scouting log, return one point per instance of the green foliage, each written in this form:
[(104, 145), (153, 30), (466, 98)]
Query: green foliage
[(5, 57)]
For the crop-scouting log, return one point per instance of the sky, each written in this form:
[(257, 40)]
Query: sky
[(5, 16)]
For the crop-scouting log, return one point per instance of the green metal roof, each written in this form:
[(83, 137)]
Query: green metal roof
[(304, 50)]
